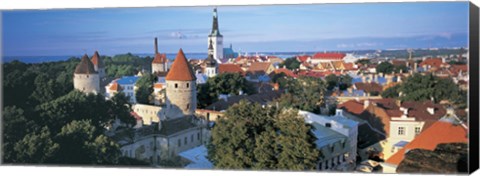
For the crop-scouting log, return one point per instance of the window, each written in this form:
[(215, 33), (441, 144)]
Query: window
[(188, 106), (176, 85), (179, 143), (198, 136), (401, 130), (328, 125), (191, 138), (188, 84), (417, 130), (185, 140)]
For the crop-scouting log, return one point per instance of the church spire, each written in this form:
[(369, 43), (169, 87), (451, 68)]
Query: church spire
[(215, 30), (210, 47)]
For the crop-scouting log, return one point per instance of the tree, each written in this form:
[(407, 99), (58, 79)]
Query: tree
[(332, 81), (79, 106), (82, 143), (36, 147), (305, 93), (426, 87), (291, 63), (15, 127), (296, 149), (225, 83), (385, 67), (400, 68), (280, 78), (342, 82), (144, 89), (345, 81), (250, 136)]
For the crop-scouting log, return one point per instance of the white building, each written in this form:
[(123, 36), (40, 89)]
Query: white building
[(126, 86), (336, 138)]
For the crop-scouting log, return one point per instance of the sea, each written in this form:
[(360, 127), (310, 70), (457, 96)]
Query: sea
[(171, 56), (41, 59)]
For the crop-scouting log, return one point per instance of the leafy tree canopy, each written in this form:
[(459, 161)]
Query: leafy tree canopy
[(291, 63), (226, 83), (144, 89), (426, 87), (305, 93), (252, 137)]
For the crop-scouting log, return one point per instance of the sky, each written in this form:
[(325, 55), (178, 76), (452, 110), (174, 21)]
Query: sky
[(272, 28)]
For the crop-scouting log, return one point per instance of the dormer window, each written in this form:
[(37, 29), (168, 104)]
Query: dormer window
[(328, 125)]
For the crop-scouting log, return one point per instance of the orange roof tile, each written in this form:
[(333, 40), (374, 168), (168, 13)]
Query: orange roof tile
[(303, 58), (352, 106), (159, 58), (286, 71), (439, 132), (259, 67), (157, 86), (336, 56), (230, 68), (181, 69), (96, 60), (115, 87), (433, 62)]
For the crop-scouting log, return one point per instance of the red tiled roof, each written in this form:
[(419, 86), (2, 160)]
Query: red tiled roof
[(352, 106), (336, 56), (181, 69), (160, 58), (96, 60), (115, 87), (230, 68), (286, 72), (458, 68), (349, 66), (135, 115), (259, 67), (303, 58), (398, 62), (439, 132), (433, 62), (369, 87), (85, 66), (157, 86)]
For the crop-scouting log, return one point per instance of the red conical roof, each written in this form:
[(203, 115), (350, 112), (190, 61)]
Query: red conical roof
[(96, 60), (181, 69), (85, 66)]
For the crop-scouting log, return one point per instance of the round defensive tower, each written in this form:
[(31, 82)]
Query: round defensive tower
[(98, 64), (85, 78), (181, 88)]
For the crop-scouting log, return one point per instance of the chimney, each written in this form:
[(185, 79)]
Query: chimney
[(398, 103), (366, 103), (156, 46), (431, 110), (450, 111), (338, 112)]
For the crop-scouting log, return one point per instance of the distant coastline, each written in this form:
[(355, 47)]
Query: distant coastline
[(399, 53)]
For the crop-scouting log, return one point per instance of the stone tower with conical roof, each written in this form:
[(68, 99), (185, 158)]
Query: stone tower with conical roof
[(160, 62), (211, 65), (181, 88), (98, 65), (216, 38), (85, 78)]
